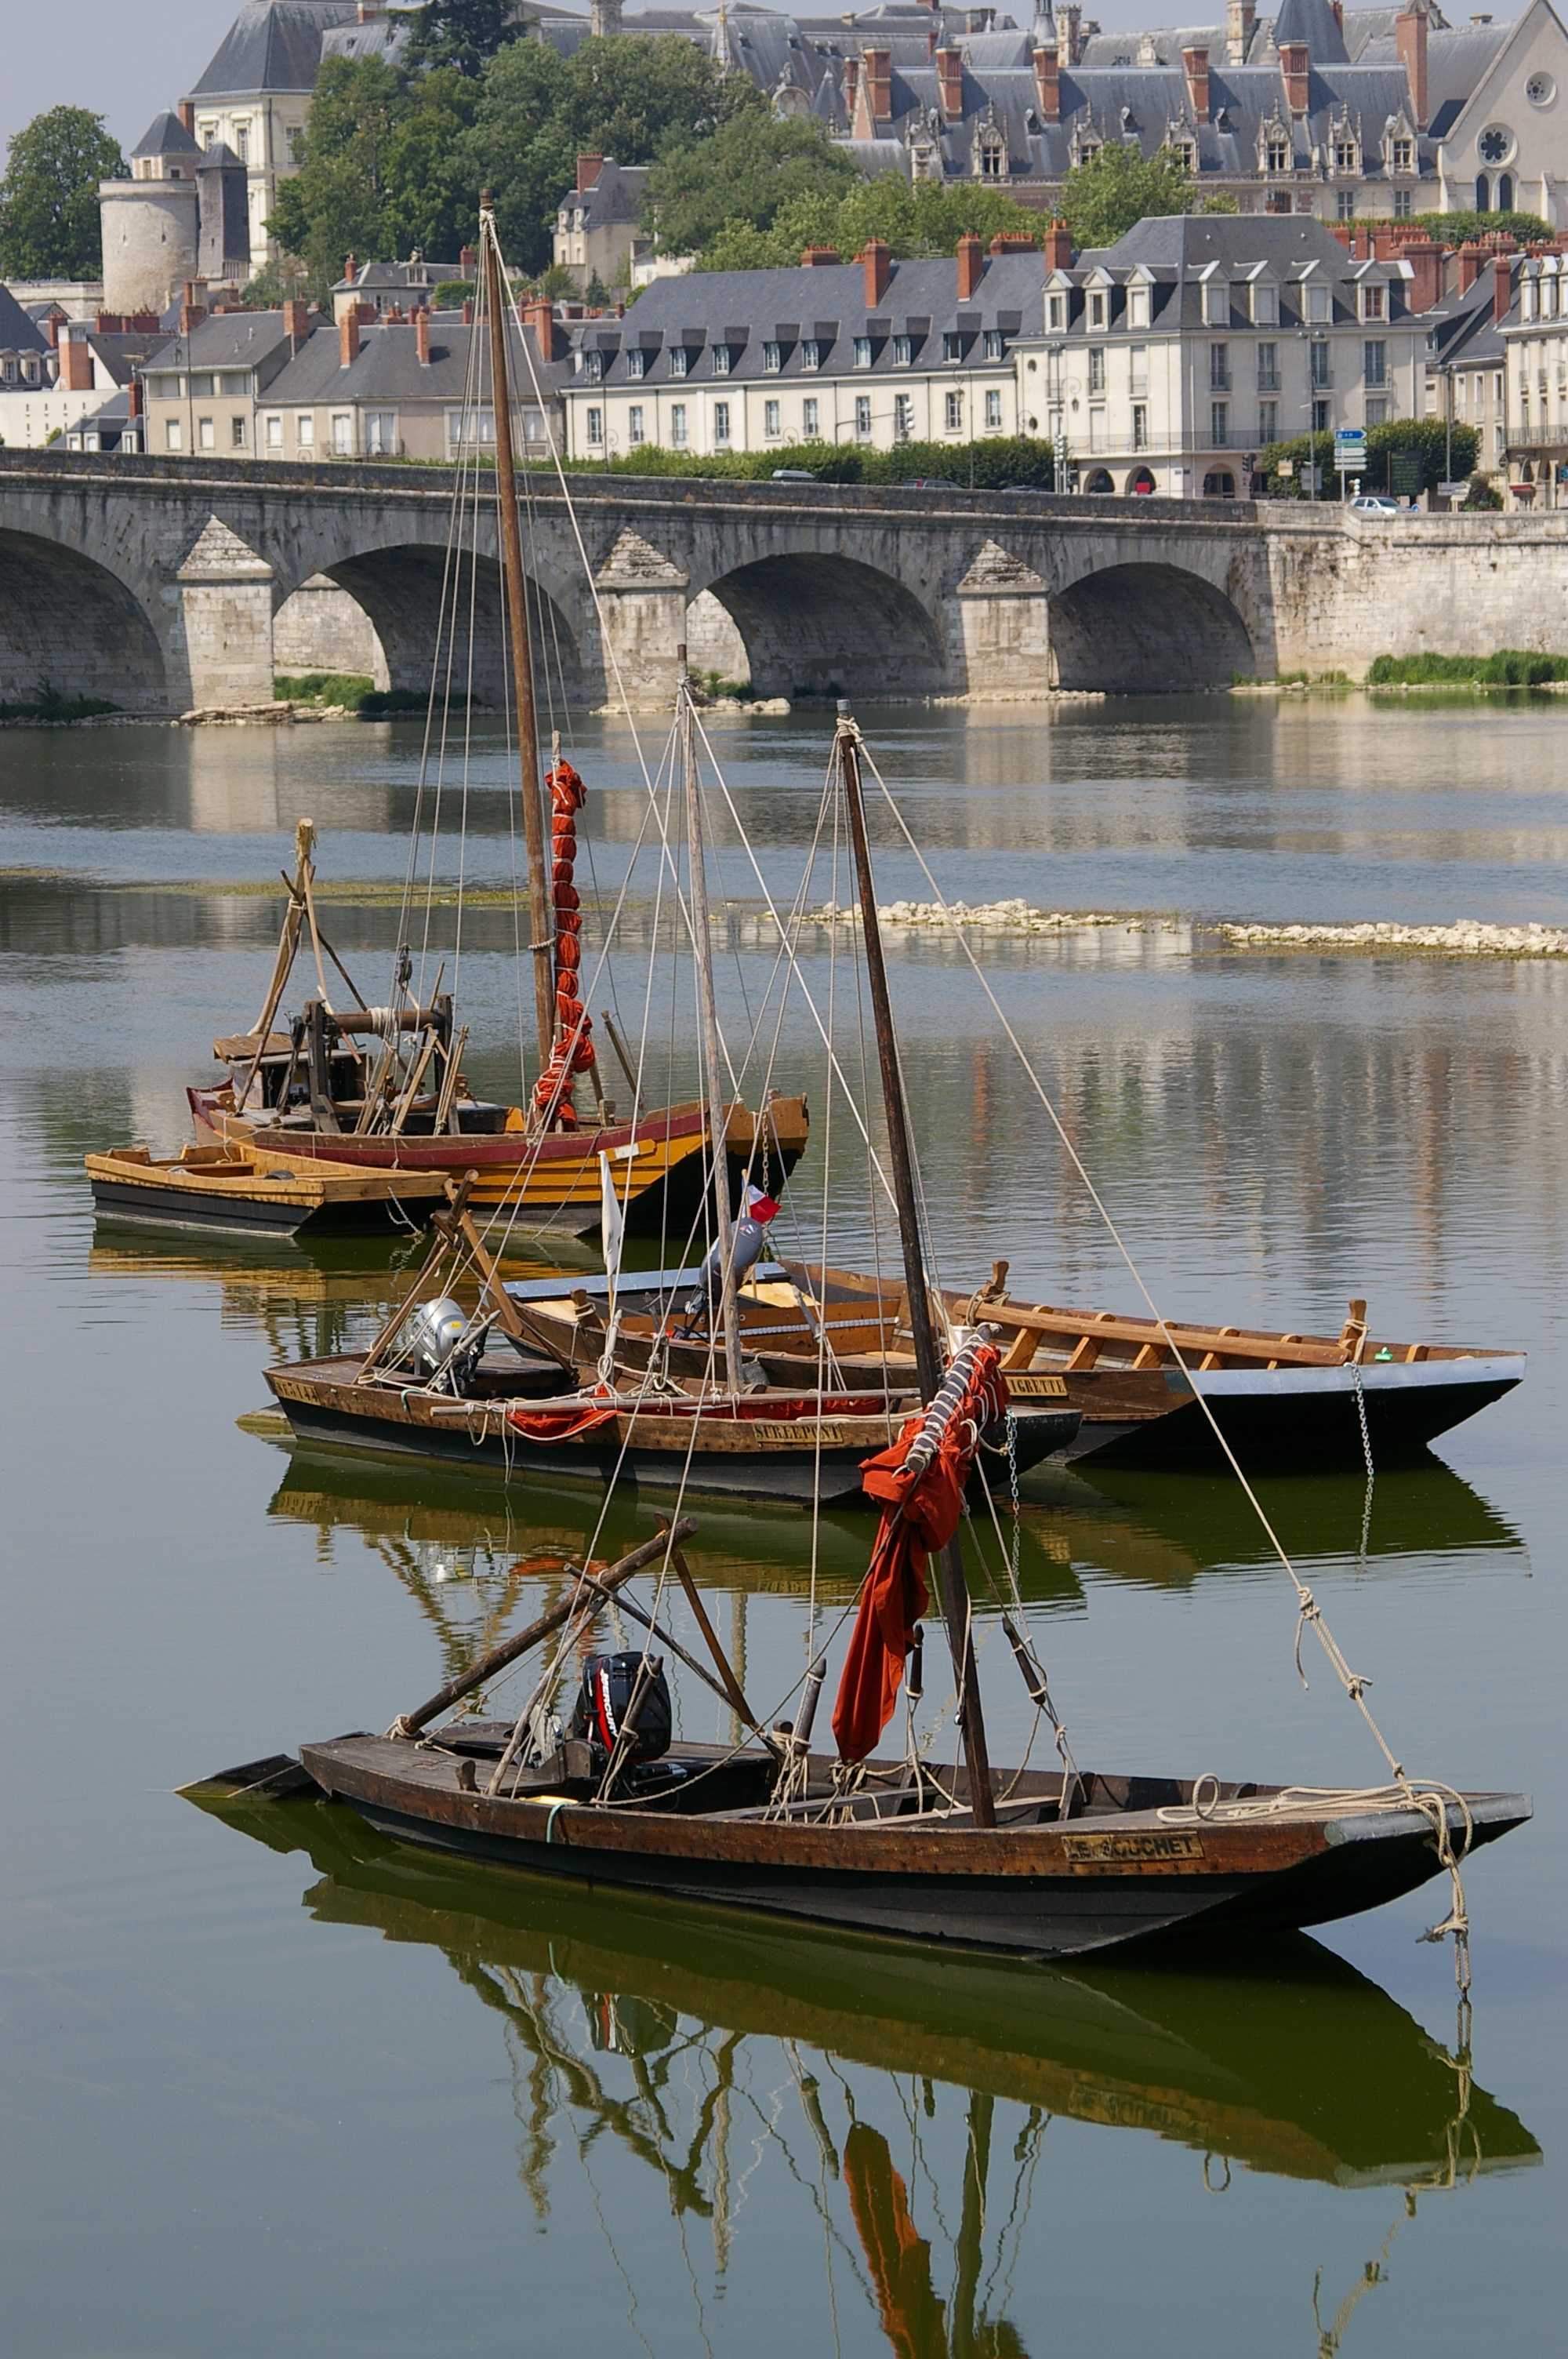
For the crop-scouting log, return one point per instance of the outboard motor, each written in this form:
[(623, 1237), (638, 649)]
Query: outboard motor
[(609, 1686), (429, 1337)]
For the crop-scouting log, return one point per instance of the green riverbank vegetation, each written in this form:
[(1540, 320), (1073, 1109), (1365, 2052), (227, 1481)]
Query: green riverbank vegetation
[(1509, 668)]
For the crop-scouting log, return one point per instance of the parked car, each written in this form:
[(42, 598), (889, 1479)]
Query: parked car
[(930, 484), (1379, 504), (793, 475)]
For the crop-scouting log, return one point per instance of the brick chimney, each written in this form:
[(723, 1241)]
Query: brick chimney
[(350, 268), (1196, 63), (349, 337), (187, 112), (851, 88), (819, 258), (133, 399), (1243, 16), (1058, 246), (1048, 84), (1410, 30), (1341, 231), (1010, 241), (540, 315), (950, 82), (1424, 288), (468, 310), (971, 268), (589, 168), (467, 262), (51, 329), (1072, 18), (878, 65), (295, 321), (1337, 9), (75, 362), (191, 316), (1471, 257), (1296, 68), (878, 262), (1502, 287), (422, 336)]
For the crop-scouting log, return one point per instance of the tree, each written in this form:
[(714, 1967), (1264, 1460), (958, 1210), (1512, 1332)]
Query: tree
[(1119, 185), (385, 168), (461, 34), (744, 172), (49, 199), (912, 219), (538, 111)]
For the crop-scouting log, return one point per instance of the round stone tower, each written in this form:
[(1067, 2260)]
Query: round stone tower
[(150, 223)]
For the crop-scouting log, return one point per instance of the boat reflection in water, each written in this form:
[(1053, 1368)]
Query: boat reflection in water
[(713, 2048)]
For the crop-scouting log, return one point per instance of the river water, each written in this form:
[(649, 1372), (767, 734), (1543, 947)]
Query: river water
[(272, 2084)]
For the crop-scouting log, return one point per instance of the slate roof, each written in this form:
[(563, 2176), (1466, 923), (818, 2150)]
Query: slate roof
[(1455, 62), (388, 367), (234, 339), (166, 136), (18, 333), (743, 310), (273, 44), (615, 197), (1311, 21), (1176, 249)]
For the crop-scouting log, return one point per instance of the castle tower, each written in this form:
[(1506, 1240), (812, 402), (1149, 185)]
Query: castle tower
[(148, 224), (223, 247)]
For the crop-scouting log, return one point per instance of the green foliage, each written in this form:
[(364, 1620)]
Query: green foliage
[(596, 294), (538, 111), (912, 219), (451, 294), (1461, 229), (48, 198), (461, 34), (348, 688), (743, 173), (986, 466), (1118, 186), (382, 170), (1483, 493), (1509, 668), (1428, 436)]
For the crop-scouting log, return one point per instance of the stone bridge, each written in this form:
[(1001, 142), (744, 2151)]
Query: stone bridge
[(154, 582)]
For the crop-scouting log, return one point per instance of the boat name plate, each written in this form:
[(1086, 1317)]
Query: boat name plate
[(804, 1431), (1037, 1387), (1130, 1852)]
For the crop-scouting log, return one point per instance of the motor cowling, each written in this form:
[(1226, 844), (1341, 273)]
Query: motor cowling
[(429, 1339), (609, 1683)]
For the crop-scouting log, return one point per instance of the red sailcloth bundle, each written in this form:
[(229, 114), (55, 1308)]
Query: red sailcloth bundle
[(573, 1051), (920, 1482)]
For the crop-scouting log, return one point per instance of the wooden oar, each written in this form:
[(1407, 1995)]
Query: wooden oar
[(411, 1722)]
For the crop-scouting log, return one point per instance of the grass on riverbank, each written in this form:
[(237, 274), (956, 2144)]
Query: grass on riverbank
[(1509, 668), (353, 692), (49, 705)]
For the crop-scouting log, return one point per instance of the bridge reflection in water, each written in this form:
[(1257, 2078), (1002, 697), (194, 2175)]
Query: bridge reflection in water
[(716, 2052)]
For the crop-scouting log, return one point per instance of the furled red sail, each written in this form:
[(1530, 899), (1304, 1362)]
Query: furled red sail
[(573, 1052), (920, 1482)]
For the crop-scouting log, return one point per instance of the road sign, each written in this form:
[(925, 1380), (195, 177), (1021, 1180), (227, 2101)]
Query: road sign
[(1453, 491), (1311, 479), (1349, 448), (1405, 474)]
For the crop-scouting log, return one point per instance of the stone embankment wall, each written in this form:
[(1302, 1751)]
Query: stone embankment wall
[(1346, 590), (321, 628)]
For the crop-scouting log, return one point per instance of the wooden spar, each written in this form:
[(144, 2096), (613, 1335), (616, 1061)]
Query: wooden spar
[(954, 1583), (497, 1659), (703, 943), (288, 943), (656, 1629), (539, 906), (734, 1693)]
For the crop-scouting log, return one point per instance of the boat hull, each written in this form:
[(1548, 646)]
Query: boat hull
[(762, 1459), (1037, 1892), (555, 1182), (253, 1216)]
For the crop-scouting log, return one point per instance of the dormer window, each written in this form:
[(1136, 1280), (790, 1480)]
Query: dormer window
[(1215, 303), (902, 352), (1318, 307), (993, 346), (1374, 301), (862, 351), (810, 353), (636, 361), (1097, 310), (952, 347), (1344, 160), (1276, 156), (1138, 307), (1056, 312), (1266, 307), (772, 359), (721, 359), (1402, 156), (678, 360), (593, 367)]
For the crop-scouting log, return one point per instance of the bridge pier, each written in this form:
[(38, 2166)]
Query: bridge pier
[(219, 642), (1001, 627), (642, 604)]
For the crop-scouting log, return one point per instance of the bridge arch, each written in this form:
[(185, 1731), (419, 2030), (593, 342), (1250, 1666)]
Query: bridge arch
[(401, 590), (821, 624), (68, 623), (1147, 630)]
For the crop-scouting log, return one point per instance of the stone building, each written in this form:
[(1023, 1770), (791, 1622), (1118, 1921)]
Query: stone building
[(55, 374), (254, 95), (873, 353), (204, 384), (1531, 310), (394, 386), (599, 224), (182, 216)]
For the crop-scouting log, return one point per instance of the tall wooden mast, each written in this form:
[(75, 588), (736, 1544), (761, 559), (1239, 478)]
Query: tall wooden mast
[(703, 942), (954, 1583), (539, 900)]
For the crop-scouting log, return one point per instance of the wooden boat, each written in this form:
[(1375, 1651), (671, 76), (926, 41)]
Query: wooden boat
[(1042, 1863), (255, 1192), (1285, 1402)]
